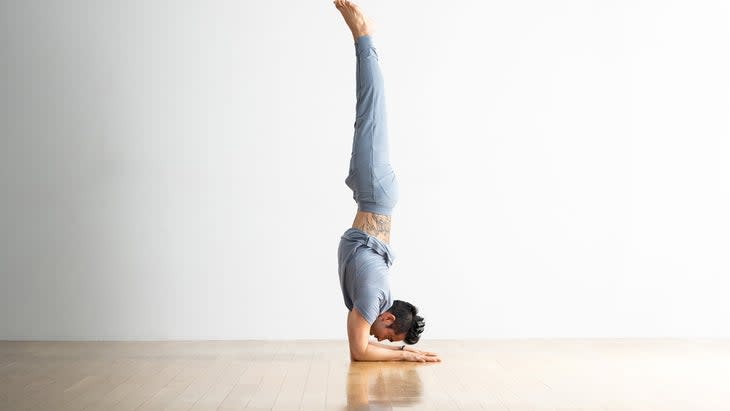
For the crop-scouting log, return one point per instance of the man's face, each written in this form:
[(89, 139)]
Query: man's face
[(380, 329), (390, 335)]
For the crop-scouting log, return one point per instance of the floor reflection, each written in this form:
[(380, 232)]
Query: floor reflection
[(383, 385)]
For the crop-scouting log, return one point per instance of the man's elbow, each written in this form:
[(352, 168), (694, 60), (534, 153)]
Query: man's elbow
[(362, 353), (356, 355)]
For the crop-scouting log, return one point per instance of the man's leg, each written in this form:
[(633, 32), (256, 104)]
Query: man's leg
[(371, 177)]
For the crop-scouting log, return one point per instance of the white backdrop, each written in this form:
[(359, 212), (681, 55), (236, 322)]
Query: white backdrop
[(175, 170)]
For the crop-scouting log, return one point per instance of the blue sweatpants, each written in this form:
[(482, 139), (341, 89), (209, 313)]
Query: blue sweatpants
[(371, 177)]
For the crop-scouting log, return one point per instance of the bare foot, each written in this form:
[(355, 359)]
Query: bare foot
[(359, 24)]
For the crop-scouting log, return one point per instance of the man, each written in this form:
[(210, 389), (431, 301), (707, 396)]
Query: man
[(364, 253)]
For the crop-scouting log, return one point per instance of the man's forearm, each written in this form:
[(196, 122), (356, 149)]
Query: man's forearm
[(388, 346), (376, 353)]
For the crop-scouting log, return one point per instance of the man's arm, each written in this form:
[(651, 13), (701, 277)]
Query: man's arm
[(406, 348), (358, 333), (386, 346)]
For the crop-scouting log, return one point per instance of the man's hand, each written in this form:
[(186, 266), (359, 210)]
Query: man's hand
[(426, 353), (416, 356)]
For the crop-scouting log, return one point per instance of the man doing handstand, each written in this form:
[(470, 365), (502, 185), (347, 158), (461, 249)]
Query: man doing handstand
[(364, 253)]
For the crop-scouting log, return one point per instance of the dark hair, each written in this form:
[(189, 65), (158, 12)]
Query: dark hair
[(406, 321)]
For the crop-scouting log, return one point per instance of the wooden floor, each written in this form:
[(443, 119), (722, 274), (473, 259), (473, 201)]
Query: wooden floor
[(514, 375)]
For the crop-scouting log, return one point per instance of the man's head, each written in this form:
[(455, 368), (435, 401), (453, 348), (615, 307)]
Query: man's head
[(399, 323)]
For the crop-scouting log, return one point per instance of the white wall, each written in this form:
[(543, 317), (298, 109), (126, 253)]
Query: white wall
[(176, 169)]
